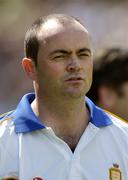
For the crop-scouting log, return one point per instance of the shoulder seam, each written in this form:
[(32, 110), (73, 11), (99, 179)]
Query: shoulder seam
[(4, 114), (121, 119), (5, 117)]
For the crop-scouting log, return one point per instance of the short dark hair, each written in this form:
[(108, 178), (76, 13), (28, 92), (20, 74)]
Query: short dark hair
[(111, 70), (31, 42)]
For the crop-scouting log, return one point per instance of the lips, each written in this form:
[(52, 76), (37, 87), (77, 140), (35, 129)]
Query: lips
[(74, 79)]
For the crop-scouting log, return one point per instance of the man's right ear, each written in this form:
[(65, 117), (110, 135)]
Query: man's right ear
[(29, 68)]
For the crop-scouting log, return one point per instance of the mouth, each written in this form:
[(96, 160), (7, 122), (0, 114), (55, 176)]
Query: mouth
[(74, 79)]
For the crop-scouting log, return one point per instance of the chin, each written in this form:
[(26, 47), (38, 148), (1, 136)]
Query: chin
[(74, 94)]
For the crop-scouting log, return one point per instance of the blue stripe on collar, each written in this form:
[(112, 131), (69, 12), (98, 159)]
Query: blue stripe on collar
[(97, 116), (25, 120)]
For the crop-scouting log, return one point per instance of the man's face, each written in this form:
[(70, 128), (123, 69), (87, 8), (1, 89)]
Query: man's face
[(64, 63)]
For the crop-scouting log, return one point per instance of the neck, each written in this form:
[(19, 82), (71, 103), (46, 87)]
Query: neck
[(68, 118), (61, 110)]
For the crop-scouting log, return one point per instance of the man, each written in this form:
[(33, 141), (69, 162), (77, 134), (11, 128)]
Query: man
[(57, 133), (109, 89)]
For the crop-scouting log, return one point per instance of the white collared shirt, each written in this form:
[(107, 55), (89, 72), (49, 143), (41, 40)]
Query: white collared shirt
[(102, 151)]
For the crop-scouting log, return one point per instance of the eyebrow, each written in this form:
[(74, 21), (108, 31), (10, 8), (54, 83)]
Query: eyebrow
[(60, 51), (84, 50), (70, 52)]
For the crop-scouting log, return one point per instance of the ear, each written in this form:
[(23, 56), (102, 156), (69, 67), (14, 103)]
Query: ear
[(29, 68), (107, 97)]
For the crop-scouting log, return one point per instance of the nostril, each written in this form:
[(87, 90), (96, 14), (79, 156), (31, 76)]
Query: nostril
[(72, 67)]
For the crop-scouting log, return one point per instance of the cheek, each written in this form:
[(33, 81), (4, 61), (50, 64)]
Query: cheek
[(89, 72), (89, 67), (51, 70)]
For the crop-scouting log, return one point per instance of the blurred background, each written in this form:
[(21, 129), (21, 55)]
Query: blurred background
[(107, 21)]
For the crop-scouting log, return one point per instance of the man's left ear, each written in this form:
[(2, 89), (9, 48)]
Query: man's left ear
[(29, 68)]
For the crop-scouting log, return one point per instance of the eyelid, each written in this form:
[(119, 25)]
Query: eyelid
[(60, 55), (84, 54)]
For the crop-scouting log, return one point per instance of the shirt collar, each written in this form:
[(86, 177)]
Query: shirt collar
[(97, 116), (25, 120)]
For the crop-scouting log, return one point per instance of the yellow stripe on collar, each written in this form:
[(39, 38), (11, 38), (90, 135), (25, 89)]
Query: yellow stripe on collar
[(124, 120), (6, 119), (4, 114)]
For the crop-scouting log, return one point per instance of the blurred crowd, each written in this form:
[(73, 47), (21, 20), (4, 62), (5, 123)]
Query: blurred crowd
[(106, 20), (109, 88)]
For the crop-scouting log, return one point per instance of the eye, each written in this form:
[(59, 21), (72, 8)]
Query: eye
[(84, 54), (59, 57)]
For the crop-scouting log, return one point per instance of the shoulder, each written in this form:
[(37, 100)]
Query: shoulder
[(7, 131), (6, 126), (5, 121), (119, 125), (116, 134), (5, 116), (8, 138), (116, 119)]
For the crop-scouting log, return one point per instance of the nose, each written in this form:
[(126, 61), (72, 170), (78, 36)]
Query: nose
[(73, 65)]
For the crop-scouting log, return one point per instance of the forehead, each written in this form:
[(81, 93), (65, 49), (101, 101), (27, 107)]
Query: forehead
[(54, 25), (63, 33)]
